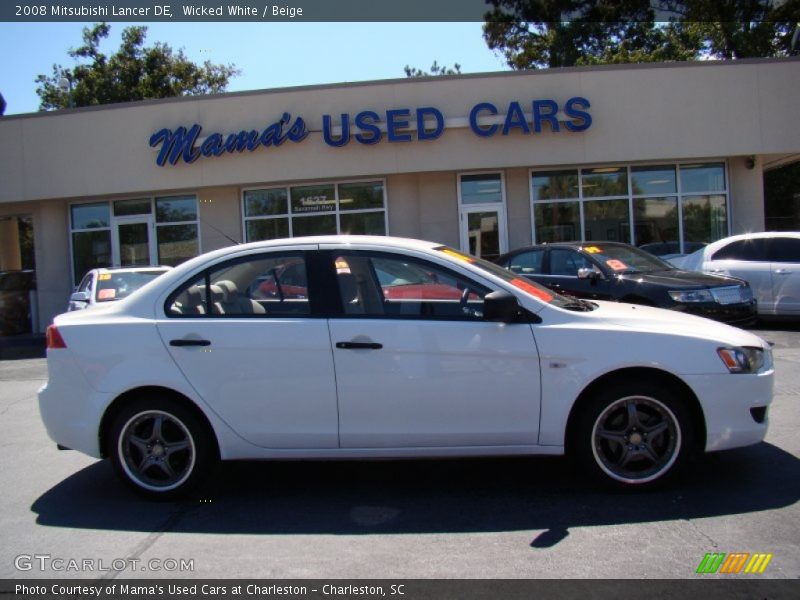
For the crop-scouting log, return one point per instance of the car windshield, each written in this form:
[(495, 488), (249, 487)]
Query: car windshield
[(530, 287), (626, 259), (115, 286)]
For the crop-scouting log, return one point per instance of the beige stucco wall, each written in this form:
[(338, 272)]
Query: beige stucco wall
[(640, 112)]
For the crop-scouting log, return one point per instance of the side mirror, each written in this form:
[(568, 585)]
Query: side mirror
[(587, 273), (80, 297), (501, 306)]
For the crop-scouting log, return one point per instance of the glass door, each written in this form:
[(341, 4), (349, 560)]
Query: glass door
[(133, 242), (482, 214), (483, 232)]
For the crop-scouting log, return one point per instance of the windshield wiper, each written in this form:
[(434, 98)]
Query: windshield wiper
[(579, 305)]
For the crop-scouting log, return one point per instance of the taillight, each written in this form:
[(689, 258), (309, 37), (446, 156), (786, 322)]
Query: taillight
[(54, 339)]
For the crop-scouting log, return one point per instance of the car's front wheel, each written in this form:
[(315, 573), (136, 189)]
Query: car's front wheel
[(160, 448), (634, 434)]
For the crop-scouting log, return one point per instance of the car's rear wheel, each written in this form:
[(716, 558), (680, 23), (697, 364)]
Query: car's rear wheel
[(160, 448), (634, 434)]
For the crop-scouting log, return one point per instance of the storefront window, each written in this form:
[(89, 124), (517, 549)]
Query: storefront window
[(124, 208), (321, 209), (90, 250), (90, 216), (652, 181), (607, 220), (481, 188), (705, 218), (557, 221), (555, 185), (604, 181), (176, 229), (663, 199), (655, 220), (703, 178)]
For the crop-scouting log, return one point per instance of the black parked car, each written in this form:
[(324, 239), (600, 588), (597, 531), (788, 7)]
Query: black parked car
[(614, 271)]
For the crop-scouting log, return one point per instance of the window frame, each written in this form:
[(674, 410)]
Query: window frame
[(679, 193), (314, 288), (336, 300), (290, 215)]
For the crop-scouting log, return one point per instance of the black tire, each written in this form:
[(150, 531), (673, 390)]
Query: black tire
[(634, 435), (160, 448)]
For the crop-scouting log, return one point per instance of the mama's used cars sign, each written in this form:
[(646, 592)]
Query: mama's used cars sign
[(369, 127)]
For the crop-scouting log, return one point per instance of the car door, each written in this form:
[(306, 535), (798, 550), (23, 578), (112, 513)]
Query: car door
[(418, 366), (748, 260), (784, 254), (262, 362)]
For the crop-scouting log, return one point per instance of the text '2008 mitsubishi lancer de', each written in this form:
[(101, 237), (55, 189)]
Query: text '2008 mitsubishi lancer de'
[(373, 347)]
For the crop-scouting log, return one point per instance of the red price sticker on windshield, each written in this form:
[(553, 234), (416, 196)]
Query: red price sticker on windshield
[(107, 294), (617, 265), (533, 290)]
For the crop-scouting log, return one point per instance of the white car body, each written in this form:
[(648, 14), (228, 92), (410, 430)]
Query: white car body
[(281, 388), (775, 280)]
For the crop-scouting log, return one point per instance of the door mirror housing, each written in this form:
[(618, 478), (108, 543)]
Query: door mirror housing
[(501, 306), (80, 297), (587, 273)]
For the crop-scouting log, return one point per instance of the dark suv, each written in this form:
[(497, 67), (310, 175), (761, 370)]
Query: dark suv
[(615, 271)]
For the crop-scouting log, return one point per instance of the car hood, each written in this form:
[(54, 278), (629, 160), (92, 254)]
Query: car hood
[(619, 315), (679, 279)]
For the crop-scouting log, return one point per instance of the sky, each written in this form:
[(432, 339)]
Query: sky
[(270, 55)]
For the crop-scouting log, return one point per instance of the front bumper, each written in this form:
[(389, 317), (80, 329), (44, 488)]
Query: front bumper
[(727, 401), (741, 315)]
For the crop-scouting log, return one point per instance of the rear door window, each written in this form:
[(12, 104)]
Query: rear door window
[(784, 250), (753, 250)]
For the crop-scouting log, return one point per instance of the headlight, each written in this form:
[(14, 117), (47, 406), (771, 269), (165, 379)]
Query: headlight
[(746, 359), (692, 296)]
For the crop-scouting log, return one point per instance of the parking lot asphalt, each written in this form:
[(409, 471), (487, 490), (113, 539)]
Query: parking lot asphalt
[(498, 518)]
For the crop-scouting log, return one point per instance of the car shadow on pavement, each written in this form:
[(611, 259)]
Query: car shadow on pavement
[(433, 496)]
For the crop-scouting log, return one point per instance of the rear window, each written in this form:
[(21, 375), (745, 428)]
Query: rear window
[(115, 286)]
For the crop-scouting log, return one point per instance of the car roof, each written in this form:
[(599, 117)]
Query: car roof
[(131, 269), (575, 245), (756, 235)]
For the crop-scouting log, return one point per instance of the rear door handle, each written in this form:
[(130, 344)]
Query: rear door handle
[(359, 345), (182, 343), (783, 272)]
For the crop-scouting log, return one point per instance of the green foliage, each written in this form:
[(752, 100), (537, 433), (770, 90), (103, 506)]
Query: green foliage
[(134, 72), (562, 33), (434, 71)]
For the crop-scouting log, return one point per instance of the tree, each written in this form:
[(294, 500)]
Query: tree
[(562, 33), (2, 105), (134, 72), (435, 70)]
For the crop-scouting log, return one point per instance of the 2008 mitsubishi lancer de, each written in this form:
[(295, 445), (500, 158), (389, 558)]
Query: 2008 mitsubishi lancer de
[(375, 347)]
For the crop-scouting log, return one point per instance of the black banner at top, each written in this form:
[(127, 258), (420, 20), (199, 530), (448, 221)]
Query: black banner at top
[(242, 10)]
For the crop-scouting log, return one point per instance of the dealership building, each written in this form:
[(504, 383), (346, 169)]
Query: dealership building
[(665, 156)]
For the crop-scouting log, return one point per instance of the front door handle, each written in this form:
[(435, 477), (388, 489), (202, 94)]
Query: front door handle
[(183, 343), (359, 345), (783, 272)]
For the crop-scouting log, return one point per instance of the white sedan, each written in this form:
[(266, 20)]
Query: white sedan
[(376, 347), (769, 261)]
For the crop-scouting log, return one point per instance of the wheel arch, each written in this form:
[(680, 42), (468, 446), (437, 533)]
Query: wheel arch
[(124, 399), (650, 375)]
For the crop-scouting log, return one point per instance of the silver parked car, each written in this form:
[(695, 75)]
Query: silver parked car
[(768, 261), (110, 284)]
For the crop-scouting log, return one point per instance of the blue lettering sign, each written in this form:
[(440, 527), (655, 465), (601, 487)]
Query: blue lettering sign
[(181, 144), (545, 110), (365, 121), (327, 131), (515, 118), (483, 131), (424, 134), (397, 120), (584, 118)]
